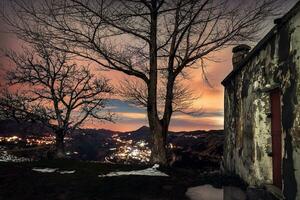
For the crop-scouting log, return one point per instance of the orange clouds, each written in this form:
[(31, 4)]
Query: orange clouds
[(179, 122), (210, 98)]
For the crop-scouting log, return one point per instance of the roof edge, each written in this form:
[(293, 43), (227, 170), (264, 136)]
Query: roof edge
[(279, 23)]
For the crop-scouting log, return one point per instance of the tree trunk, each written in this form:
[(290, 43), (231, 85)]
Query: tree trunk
[(60, 146), (158, 154)]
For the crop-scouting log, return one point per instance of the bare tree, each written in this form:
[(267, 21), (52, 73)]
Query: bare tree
[(46, 87), (136, 92), (143, 39)]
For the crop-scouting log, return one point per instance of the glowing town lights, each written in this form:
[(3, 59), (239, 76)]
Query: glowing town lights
[(121, 148), (30, 140), (12, 139), (142, 143), (171, 146), (118, 140), (128, 151), (135, 153), (46, 140)]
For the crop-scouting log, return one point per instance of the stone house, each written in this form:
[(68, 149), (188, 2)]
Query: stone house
[(262, 109)]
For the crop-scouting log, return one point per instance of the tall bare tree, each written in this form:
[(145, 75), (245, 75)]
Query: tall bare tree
[(143, 39), (46, 87)]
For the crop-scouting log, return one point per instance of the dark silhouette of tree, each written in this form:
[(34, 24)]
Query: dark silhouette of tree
[(136, 92), (146, 39), (47, 87)]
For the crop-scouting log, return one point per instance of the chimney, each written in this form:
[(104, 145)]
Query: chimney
[(239, 53)]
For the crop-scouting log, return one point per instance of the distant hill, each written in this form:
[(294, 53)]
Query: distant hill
[(186, 148), (142, 133), (182, 137), (11, 127)]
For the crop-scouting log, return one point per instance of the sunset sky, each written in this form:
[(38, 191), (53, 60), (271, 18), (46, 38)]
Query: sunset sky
[(210, 98)]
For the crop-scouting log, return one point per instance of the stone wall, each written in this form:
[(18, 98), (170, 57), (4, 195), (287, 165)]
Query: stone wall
[(247, 104)]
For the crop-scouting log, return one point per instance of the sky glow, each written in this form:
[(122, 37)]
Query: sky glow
[(129, 117)]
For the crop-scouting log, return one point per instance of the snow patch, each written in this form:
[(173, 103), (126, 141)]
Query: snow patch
[(6, 157), (52, 170), (45, 170), (156, 166), (145, 172), (67, 172)]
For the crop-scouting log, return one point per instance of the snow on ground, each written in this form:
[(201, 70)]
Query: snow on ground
[(52, 170), (45, 170), (6, 157), (153, 171), (67, 172), (205, 192)]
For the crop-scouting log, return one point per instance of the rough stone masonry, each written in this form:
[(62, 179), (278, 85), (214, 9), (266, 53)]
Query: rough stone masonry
[(273, 63)]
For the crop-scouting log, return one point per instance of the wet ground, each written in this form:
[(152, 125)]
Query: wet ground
[(208, 192)]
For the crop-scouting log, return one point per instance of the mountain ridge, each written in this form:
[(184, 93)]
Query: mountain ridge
[(9, 127)]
